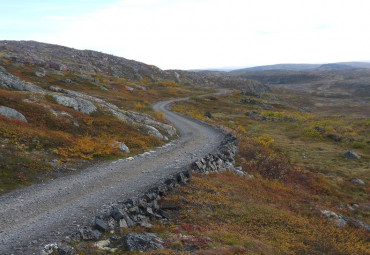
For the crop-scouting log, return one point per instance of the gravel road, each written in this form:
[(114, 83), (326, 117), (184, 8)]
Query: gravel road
[(43, 213)]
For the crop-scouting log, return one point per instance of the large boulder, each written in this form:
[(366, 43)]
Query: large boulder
[(78, 104), (153, 131), (121, 146), (141, 242), (9, 81), (351, 155), (11, 113), (358, 181)]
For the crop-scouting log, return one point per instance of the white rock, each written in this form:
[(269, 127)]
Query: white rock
[(103, 245), (121, 146), (77, 104), (49, 248), (11, 113)]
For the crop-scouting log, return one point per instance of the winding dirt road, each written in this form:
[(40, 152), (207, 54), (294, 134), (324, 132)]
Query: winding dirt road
[(43, 213)]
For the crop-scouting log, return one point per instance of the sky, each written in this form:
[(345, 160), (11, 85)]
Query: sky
[(198, 34)]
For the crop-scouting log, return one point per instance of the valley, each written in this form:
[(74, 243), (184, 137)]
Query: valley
[(82, 130)]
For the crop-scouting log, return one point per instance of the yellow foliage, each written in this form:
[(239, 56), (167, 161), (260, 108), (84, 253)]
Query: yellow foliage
[(87, 147), (159, 116), (241, 128), (139, 105), (265, 140)]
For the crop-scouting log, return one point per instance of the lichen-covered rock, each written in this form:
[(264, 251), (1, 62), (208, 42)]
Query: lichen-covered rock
[(78, 104), (338, 219), (121, 146), (358, 181), (153, 131), (141, 242), (9, 81), (11, 113), (351, 155)]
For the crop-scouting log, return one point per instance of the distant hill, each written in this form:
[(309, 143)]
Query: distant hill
[(292, 67), (305, 67)]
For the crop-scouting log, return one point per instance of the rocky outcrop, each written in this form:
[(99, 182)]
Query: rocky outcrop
[(55, 58), (77, 104), (9, 81), (148, 123), (341, 221), (11, 113)]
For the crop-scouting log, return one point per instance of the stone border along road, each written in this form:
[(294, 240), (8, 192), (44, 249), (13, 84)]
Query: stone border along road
[(43, 213)]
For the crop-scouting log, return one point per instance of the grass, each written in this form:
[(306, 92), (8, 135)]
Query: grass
[(300, 170)]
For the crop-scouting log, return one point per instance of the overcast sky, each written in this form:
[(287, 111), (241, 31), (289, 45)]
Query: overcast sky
[(192, 34)]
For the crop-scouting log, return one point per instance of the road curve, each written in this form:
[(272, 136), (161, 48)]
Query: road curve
[(33, 216)]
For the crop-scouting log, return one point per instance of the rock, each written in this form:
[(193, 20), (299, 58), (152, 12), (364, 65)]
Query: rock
[(123, 223), (104, 245), (334, 137), (88, 234), (121, 146), (339, 220), (181, 178), (360, 224), (129, 221), (11, 113), (64, 249), (358, 181), (77, 104), (351, 155), (9, 81), (187, 174), (117, 214), (319, 129), (141, 242), (49, 249), (246, 100), (164, 214), (101, 225), (40, 72), (57, 66), (267, 107), (129, 88), (153, 131), (141, 118), (208, 115), (252, 114)]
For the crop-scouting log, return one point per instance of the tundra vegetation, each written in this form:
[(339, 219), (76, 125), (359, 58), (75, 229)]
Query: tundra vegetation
[(293, 144), (57, 139)]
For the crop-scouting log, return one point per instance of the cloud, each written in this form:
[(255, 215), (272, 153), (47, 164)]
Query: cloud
[(211, 33)]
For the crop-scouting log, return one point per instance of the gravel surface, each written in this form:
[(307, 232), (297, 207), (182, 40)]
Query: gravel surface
[(44, 213)]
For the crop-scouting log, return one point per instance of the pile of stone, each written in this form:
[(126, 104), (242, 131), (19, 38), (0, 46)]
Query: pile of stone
[(142, 210), (222, 160)]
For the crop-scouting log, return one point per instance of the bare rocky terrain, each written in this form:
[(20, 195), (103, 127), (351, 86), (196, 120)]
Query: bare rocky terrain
[(43, 213)]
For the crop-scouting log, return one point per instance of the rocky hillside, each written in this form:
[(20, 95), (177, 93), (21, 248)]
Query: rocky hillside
[(60, 107), (327, 80), (86, 63)]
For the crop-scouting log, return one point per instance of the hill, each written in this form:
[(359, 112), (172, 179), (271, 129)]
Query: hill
[(305, 67), (327, 80), (61, 107), (86, 64)]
